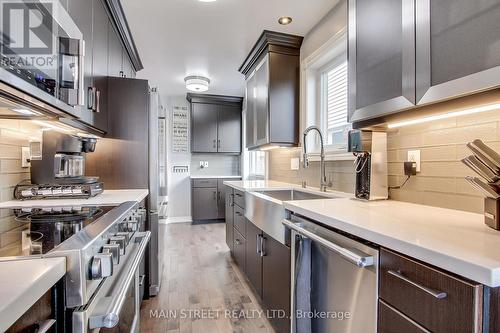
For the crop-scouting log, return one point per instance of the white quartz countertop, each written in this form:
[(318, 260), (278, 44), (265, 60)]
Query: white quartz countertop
[(453, 240), (214, 177), (107, 198), (23, 282)]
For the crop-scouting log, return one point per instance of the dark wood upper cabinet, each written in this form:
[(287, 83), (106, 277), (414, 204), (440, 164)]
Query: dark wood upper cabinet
[(381, 57), (204, 127), (215, 123), (404, 54), (457, 51), (272, 71)]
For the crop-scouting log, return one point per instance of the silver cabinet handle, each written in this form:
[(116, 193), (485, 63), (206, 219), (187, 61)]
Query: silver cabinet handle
[(215, 195), (257, 241), (237, 241), (231, 200), (239, 214), (434, 293), (215, 146), (45, 326), (262, 246), (141, 280), (356, 259), (218, 143), (108, 315)]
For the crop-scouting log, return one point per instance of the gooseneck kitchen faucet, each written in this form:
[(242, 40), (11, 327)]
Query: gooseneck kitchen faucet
[(322, 182)]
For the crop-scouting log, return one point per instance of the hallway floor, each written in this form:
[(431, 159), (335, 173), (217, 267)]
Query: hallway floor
[(201, 290)]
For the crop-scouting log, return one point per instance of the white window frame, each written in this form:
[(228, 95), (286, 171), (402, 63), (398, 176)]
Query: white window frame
[(312, 110)]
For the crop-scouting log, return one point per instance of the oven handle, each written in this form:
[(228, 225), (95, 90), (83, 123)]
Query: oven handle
[(111, 316), (360, 261)]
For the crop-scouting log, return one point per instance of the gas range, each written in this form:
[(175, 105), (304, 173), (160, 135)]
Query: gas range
[(104, 248)]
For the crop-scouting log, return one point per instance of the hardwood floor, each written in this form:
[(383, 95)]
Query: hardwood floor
[(202, 290)]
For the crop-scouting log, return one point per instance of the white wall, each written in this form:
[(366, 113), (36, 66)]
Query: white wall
[(179, 186), (334, 21)]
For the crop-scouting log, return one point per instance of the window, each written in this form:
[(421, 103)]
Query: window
[(257, 164), (333, 104)]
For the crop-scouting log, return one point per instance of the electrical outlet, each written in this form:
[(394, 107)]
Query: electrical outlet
[(414, 156), (202, 164), (294, 163), (206, 164), (25, 157)]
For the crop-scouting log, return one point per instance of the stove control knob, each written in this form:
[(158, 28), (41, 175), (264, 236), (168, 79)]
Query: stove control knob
[(101, 266), (114, 249), (120, 241)]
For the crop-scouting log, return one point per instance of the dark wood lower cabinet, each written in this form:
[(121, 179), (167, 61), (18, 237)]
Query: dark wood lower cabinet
[(229, 218), (276, 282), (434, 299), (392, 321), (253, 257), (239, 250)]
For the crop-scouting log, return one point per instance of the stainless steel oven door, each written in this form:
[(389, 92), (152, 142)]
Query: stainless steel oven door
[(115, 307)]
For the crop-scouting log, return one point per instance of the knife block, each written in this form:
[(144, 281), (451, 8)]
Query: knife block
[(492, 213)]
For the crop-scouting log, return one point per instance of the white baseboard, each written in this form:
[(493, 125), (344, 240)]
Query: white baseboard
[(177, 219)]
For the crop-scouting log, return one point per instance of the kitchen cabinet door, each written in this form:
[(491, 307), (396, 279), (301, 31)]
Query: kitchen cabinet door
[(229, 129), (381, 57), (262, 103), (229, 218), (457, 48), (276, 280), (204, 127), (100, 63), (205, 203), (114, 53), (251, 100), (239, 250), (81, 13), (253, 257), (221, 197)]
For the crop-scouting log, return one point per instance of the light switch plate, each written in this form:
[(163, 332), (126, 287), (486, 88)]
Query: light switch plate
[(294, 163), (414, 156), (25, 157)]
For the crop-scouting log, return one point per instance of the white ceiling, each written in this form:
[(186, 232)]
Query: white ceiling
[(176, 38)]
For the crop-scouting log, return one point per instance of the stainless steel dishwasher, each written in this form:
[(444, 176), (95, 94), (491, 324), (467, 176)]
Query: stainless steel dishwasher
[(334, 280)]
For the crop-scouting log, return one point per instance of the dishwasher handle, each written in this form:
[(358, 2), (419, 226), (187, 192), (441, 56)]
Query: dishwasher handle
[(354, 258)]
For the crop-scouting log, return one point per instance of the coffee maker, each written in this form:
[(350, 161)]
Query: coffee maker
[(370, 150), (60, 173)]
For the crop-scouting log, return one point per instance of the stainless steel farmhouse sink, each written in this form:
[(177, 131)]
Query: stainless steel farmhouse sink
[(289, 195), (265, 209)]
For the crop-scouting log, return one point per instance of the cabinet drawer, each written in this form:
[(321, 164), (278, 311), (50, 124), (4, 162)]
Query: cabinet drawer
[(239, 220), (434, 299), (239, 250), (392, 321), (239, 198), (204, 182)]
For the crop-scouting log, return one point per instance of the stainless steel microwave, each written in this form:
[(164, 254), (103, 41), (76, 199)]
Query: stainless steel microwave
[(42, 52)]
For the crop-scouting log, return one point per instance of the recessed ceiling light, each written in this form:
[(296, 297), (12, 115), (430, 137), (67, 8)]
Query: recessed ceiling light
[(285, 20), (207, 0), (197, 83)]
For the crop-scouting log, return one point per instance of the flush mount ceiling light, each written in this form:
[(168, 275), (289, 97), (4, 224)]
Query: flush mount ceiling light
[(197, 83), (207, 0), (484, 108), (285, 20)]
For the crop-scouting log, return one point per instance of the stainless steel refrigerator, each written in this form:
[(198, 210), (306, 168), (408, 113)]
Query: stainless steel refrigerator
[(127, 157)]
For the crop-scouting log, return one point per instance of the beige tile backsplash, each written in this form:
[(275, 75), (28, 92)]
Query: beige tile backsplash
[(340, 173), (441, 143)]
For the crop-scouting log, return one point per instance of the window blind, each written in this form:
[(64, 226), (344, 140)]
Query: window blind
[(336, 97)]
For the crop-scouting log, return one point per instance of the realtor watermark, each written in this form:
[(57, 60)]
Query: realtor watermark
[(194, 314), (28, 39)]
